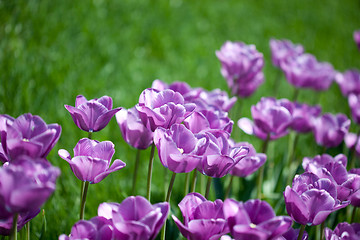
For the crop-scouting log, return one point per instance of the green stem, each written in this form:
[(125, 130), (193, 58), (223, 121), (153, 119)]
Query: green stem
[(353, 214), (208, 185), (28, 230), (137, 160), (151, 161), (83, 201), (193, 182), (187, 182), (13, 235), (261, 170), (90, 134), (168, 195), (290, 159), (301, 232), (296, 94), (322, 226), (228, 190)]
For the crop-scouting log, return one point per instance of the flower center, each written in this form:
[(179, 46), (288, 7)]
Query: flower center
[(26, 140), (181, 150), (252, 225)]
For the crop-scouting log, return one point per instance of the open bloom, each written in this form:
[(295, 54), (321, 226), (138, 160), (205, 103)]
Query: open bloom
[(27, 135), (249, 164), (241, 66), (357, 38), (354, 103), (304, 71), (343, 231), (325, 166), (92, 115), (311, 199), (330, 130), (162, 108), (303, 117), (349, 82), (203, 219), (91, 161), (283, 49), (271, 117), (135, 217), (207, 119), (178, 148), (218, 157), (254, 219), (133, 130), (25, 185)]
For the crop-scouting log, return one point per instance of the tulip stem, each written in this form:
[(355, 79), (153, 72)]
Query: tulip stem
[(261, 170), (290, 158), (208, 185), (151, 161), (193, 183), (28, 230), (14, 227), (353, 215), (301, 232), (187, 182), (168, 195), (322, 226), (228, 190), (137, 160), (90, 134), (296, 94), (83, 200)]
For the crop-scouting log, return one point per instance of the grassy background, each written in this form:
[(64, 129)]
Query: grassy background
[(51, 51)]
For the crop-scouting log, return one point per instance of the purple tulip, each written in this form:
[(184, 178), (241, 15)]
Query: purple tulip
[(354, 103), (271, 117), (343, 231), (303, 117), (218, 156), (135, 217), (23, 218), (352, 141), (97, 228), (91, 161), (206, 120), (241, 67), (92, 115), (304, 71), (27, 135), (254, 219), (293, 234), (357, 38), (330, 130), (325, 166), (203, 219), (133, 130), (25, 185), (355, 196), (311, 199), (349, 82), (178, 148), (283, 49), (162, 108), (249, 164)]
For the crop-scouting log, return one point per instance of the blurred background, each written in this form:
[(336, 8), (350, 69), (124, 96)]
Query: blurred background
[(52, 51)]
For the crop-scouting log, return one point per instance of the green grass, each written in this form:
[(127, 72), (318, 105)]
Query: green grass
[(51, 51)]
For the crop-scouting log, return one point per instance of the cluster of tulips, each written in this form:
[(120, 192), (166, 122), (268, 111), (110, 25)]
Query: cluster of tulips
[(191, 130)]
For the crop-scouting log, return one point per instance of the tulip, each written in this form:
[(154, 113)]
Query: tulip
[(92, 115), (25, 185), (354, 103), (23, 218), (203, 219), (27, 135), (241, 66), (206, 120), (271, 117), (91, 161), (311, 199), (349, 82), (178, 148), (133, 130), (344, 231), (355, 196), (254, 219), (293, 234), (303, 117), (162, 108), (304, 71), (357, 38), (330, 130), (283, 49), (135, 217)]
